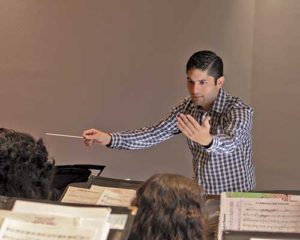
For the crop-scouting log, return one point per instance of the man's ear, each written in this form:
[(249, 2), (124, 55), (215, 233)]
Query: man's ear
[(220, 81)]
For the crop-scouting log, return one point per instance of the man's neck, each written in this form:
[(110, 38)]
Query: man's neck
[(205, 108)]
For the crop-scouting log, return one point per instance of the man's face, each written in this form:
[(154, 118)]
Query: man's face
[(202, 87)]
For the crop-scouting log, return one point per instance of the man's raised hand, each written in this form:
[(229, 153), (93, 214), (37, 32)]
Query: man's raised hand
[(193, 130)]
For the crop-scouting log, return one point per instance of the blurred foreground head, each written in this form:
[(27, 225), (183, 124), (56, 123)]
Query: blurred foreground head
[(25, 171), (169, 207)]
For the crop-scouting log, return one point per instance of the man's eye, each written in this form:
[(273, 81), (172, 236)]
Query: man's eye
[(190, 82), (202, 82)]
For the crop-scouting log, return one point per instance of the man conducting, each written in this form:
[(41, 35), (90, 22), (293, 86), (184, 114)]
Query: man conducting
[(216, 124)]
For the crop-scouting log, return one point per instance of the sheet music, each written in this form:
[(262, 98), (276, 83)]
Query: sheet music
[(224, 214), (86, 217), (294, 198), (60, 210), (117, 221), (102, 227), (269, 239), (18, 230), (276, 216), (81, 195), (271, 214), (51, 220), (268, 215), (114, 196)]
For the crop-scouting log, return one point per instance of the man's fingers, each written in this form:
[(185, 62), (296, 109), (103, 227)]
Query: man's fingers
[(88, 142), (89, 136), (89, 132), (187, 122), (193, 121), (184, 128)]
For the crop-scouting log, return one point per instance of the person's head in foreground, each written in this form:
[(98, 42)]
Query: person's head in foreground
[(169, 208), (25, 171)]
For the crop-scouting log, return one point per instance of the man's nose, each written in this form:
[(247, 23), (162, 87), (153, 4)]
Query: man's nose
[(196, 88)]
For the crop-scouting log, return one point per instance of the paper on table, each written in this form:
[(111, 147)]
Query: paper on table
[(102, 227), (60, 210), (268, 239), (256, 195), (51, 220), (88, 216), (114, 196), (270, 216), (294, 198), (81, 195), (117, 221), (18, 230), (259, 214)]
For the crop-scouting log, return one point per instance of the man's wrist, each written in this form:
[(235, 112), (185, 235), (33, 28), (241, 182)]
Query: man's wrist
[(110, 141), (209, 145), (208, 142)]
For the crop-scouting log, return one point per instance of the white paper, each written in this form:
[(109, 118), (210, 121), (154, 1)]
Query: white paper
[(270, 216), (259, 215), (114, 196), (81, 195), (294, 198), (60, 210), (117, 221), (86, 217), (51, 220), (269, 239), (18, 230), (102, 227)]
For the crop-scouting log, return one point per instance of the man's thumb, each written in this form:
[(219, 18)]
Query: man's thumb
[(206, 122)]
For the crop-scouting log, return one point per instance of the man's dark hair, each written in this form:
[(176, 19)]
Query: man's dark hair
[(206, 60), (24, 167), (169, 207)]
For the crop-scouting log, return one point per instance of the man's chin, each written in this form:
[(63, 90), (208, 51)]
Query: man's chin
[(198, 102)]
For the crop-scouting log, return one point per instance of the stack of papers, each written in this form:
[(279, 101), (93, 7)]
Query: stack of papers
[(99, 195), (33, 220), (259, 212)]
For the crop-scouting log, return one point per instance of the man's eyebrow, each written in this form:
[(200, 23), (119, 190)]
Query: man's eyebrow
[(200, 80)]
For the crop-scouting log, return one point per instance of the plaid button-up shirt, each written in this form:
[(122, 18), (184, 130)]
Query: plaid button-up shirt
[(224, 166)]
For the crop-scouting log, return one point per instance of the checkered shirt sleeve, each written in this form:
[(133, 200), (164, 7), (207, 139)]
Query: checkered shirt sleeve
[(149, 136), (235, 133)]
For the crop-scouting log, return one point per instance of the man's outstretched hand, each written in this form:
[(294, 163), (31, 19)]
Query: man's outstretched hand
[(92, 136)]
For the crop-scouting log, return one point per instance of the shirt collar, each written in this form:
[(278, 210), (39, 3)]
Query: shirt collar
[(220, 101)]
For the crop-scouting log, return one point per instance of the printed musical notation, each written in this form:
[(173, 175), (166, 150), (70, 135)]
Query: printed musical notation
[(263, 215), (100, 195), (259, 215), (17, 230)]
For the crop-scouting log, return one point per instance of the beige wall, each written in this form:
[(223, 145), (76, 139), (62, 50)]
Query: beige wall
[(276, 93), (70, 65)]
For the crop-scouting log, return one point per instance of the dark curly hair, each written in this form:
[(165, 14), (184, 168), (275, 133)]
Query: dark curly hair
[(169, 208), (24, 167), (206, 60)]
